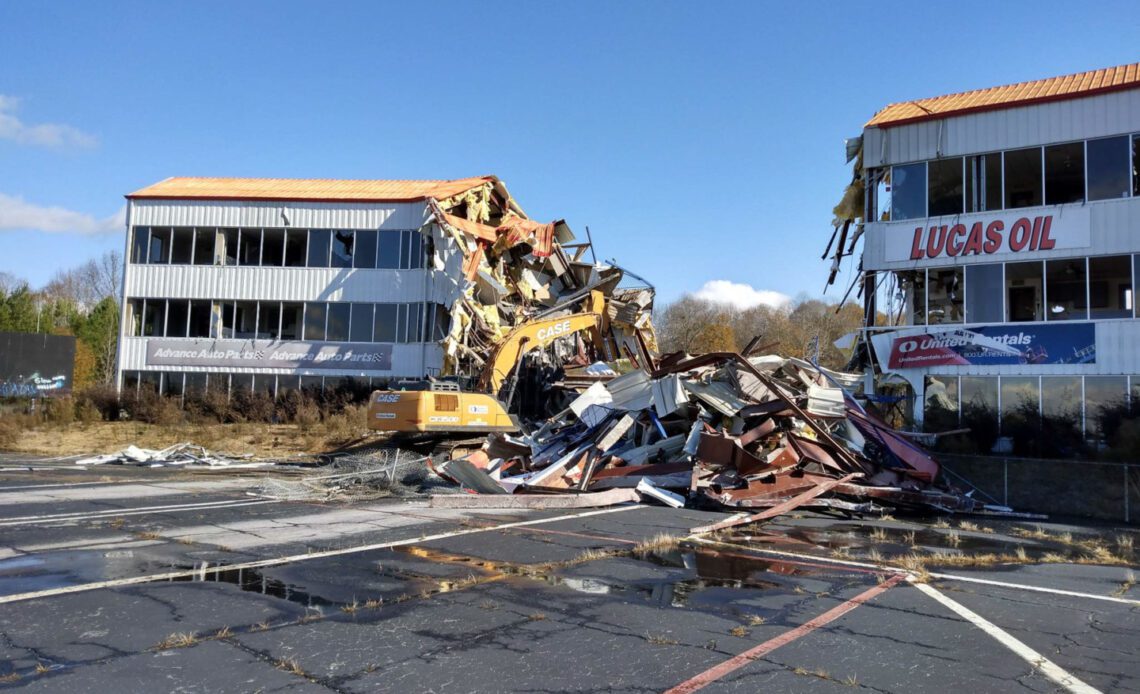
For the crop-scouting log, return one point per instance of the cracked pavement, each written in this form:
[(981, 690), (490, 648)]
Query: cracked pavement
[(570, 603)]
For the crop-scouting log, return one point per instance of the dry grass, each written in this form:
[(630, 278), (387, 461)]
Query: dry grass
[(1021, 554), (291, 666), (350, 608), (311, 616), (755, 620), (536, 617), (260, 626), (177, 640), (1124, 543), (373, 603), (953, 538), (879, 535), (739, 632), (42, 669), (850, 681), (941, 524), (660, 640), (821, 674), (147, 535), (223, 633), (874, 556), (10, 677), (968, 526), (841, 553), (910, 538), (117, 523), (1127, 585), (488, 605), (657, 543)]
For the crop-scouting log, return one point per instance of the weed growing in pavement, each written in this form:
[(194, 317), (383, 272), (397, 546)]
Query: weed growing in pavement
[(350, 608), (953, 538), (536, 617), (660, 640), (739, 632), (488, 605), (260, 626), (223, 633), (850, 681), (291, 666), (148, 535), (657, 543), (941, 524), (42, 669), (874, 556), (755, 620), (1021, 554), (373, 603), (910, 538), (968, 526), (841, 552), (879, 535), (177, 640), (311, 616), (10, 677), (117, 523), (1127, 585), (1124, 543), (988, 531)]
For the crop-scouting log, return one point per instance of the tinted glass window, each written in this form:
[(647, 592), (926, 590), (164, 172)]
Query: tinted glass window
[(140, 244), (1136, 165), (291, 321), (413, 244), (154, 318), (1104, 397), (984, 294), (342, 243), (908, 191), (1023, 178), (159, 245), (364, 255), (361, 323), (1108, 168), (415, 322), (177, 317), (385, 323), (1065, 173), (945, 187), (268, 320), (314, 321), (296, 247), (983, 182), (1065, 289), (319, 247), (1024, 285), (1110, 286), (389, 257), (338, 322), (1020, 402), (200, 318)]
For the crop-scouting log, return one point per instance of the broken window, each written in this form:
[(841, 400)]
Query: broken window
[(944, 302), (1020, 403), (940, 403), (908, 192), (181, 246), (913, 285), (338, 316), (384, 327), (984, 294), (1108, 168), (1136, 165), (365, 252), (1110, 286), (227, 319), (229, 240), (315, 321), (292, 318), (1066, 289), (201, 314), (1105, 397), (983, 182), (140, 242), (177, 317), (204, 246), (268, 320), (245, 320), (250, 254), (134, 317), (296, 247), (159, 245), (319, 247), (1022, 172), (1065, 173), (154, 318), (273, 247), (389, 255), (362, 320), (944, 187), (342, 243), (442, 322), (1023, 291)]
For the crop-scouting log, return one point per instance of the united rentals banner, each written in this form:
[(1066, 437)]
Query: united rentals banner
[(264, 354), (987, 345)]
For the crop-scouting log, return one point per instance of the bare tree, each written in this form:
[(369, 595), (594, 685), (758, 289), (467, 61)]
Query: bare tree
[(89, 283)]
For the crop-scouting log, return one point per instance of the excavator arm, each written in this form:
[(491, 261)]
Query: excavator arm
[(528, 337)]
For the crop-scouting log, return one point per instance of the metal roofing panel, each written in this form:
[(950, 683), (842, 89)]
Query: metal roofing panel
[(1020, 94), (307, 189)]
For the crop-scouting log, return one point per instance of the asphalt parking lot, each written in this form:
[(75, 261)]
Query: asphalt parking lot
[(129, 579)]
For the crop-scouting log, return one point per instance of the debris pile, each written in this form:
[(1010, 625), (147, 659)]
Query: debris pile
[(356, 476), (180, 454), (763, 433)]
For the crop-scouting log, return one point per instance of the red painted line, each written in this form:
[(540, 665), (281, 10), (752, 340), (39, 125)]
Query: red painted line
[(738, 661)]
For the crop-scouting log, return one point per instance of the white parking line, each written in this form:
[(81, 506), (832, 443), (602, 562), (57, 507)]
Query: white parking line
[(204, 570), (1038, 661), (116, 513)]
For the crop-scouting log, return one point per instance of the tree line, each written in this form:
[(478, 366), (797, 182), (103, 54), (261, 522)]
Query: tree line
[(82, 301)]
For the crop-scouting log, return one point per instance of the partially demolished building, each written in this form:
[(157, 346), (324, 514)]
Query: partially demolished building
[(272, 284), (999, 247)]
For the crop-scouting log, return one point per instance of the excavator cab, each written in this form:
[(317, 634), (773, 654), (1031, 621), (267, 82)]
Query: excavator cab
[(438, 406)]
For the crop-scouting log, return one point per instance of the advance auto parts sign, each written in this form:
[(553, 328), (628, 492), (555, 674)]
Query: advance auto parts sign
[(1068, 343), (257, 353)]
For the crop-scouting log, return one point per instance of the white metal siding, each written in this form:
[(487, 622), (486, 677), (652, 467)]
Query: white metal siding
[(1114, 113), (222, 213), (408, 360), (1114, 229)]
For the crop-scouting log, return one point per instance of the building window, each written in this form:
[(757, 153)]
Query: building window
[(1023, 285), (140, 242), (159, 246), (362, 322), (944, 187), (134, 317), (204, 246), (414, 259), (172, 384), (229, 241), (983, 182), (1020, 404), (389, 257), (195, 384), (1106, 401), (269, 320), (1022, 173), (319, 240), (150, 381), (250, 253), (415, 323), (154, 318), (201, 318), (245, 320), (1136, 165), (181, 246), (984, 294), (442, 322), (1110, 286), (940, 403), (944, 295), (177, 317), (1065, 173), (131, 381), (1066, 287), (292, 320), (273, 247), (1108, 168), (342, 243), (908, 191), (296, 247), (913, 285), (338, 316), (315, 321), (265, 383), (384, 327), (1061, 404), (365, 255)]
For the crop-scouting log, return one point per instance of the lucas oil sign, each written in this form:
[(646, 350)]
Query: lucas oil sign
[(351, 356), (1068, 343), (964, 236)]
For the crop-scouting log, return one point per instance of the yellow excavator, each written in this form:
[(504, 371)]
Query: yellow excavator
[(441, 407)]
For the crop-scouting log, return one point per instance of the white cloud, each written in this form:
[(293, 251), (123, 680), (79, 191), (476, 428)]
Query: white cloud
[(19, 215), (740, 295), (42, 134)]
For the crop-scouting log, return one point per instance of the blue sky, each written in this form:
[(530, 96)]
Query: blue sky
[(699, 141)]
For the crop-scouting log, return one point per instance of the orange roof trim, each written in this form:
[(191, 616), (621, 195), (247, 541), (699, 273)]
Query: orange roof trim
[(305, 189), (1024, 93)]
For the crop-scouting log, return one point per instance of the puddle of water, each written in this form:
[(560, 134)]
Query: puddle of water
[(35, 572)]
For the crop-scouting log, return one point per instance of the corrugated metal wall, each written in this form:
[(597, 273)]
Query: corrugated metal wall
[(408, 360), (408, 215), (1115, 113)]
